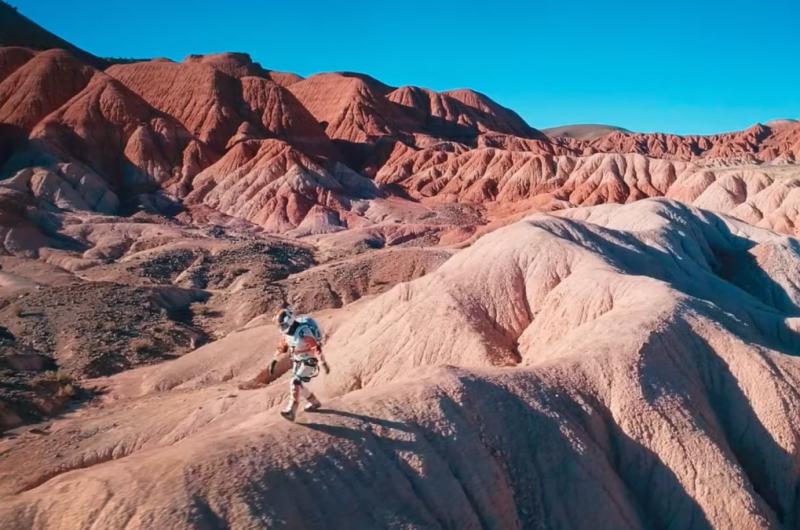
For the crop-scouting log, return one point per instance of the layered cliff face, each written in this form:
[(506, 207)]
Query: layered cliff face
[(149, 126), (153, 126)]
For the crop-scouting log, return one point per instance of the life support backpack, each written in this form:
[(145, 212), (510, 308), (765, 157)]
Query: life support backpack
[(307, 326)]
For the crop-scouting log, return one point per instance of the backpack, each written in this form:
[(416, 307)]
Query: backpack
[(308, 326)]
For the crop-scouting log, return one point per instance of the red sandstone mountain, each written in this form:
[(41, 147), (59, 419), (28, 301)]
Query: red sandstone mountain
[(36, 85), (241, 65), (164, 123), (758, 143), (359, 109)]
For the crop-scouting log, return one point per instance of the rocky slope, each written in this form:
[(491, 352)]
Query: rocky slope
[(674, 344)]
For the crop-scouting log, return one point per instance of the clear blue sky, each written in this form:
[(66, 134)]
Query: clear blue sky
[(684, 66)]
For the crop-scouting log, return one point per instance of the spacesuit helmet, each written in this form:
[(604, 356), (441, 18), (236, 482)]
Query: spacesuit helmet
[(284, 319)]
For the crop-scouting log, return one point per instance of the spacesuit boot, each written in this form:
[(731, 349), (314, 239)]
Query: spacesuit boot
[(290, 411), (313, 403), (291, 408)]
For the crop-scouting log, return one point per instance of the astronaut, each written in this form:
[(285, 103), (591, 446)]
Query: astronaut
[(302, 339)]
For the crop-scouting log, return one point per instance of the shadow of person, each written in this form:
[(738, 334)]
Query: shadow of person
[(494, 431), (388, 424)]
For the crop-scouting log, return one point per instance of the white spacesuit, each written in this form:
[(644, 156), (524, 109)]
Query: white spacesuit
[(302, 339)]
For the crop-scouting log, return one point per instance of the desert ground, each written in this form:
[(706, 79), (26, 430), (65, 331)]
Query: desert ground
[(581, 327)]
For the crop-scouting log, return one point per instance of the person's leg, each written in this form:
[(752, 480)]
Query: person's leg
[(313, 402), (295, 387)]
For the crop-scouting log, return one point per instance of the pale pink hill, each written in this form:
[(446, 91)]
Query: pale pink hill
[(661, 355)]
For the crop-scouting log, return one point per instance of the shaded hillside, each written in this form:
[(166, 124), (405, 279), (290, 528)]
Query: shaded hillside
[(18, 30)]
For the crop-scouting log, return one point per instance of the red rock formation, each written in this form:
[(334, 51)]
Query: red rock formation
[(499, 179), (271, 184), (498, 118), (352, 108), (453, 146), (458, 114), (203, 99), (241, 65), (223, 99), (113, 131), (282, 116), (40, 85), (758, 143), (358, 109), (232, 64), (13, 57)]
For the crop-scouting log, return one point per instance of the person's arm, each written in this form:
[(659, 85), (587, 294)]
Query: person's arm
[(323, 361), (282, 348), (316, 347)]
